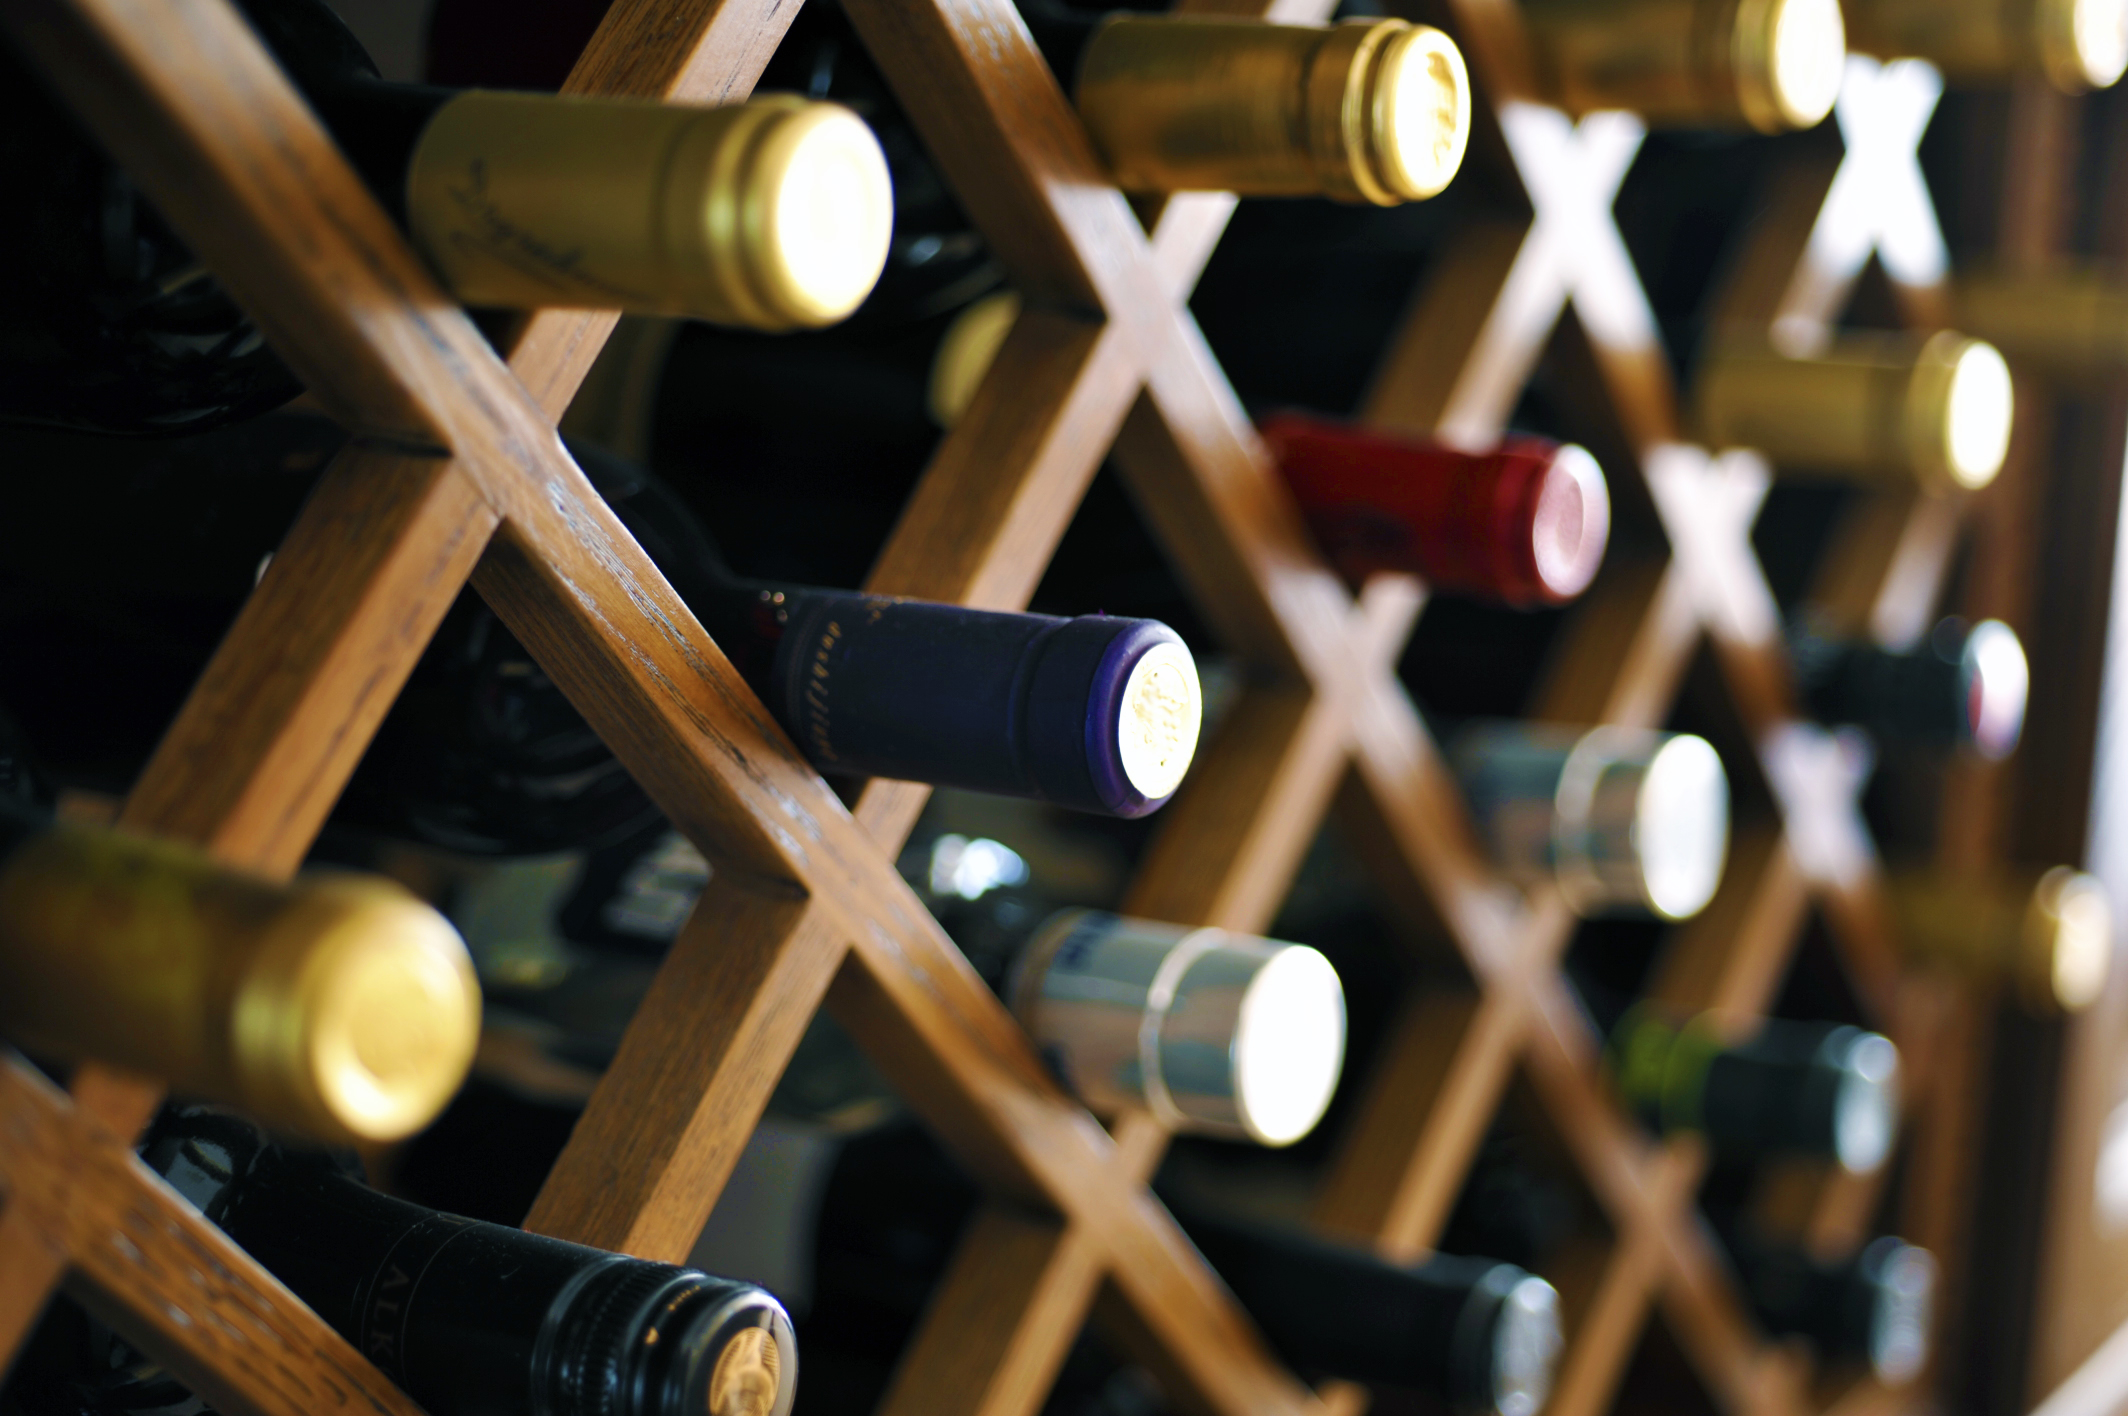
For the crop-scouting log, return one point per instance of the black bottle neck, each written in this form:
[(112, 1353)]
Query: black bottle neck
[(471, 1318), (377, 124)]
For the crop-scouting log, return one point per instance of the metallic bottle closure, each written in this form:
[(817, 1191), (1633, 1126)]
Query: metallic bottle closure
[(1876, 407), (2076, 44), (340, 1006), (1363, 111), (1772, 65), (772, 214), (2048, 934), (2069, 322), (1215, 1033)]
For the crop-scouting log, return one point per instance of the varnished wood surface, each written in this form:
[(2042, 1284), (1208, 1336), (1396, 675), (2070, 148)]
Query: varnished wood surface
[(457, 463)]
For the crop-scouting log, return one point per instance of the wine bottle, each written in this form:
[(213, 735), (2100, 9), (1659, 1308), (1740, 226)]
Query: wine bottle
[(1363, 111), (1614, 818), (1484, 1335), (1876, 1306), (1964, 687), (874, 1218), (483, 753), (1213, 1032), (2076, 44), (2048, 934), (772, 214), (471, 1318), (339, 1006), (2071, 321), (1791, 1089), (1875, 407), (1524, 523), (1772, 65)]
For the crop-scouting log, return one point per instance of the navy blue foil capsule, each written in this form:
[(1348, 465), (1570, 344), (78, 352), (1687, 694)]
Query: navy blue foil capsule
[(1010, 704)]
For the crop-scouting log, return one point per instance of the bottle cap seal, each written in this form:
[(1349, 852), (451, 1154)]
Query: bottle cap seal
[(2066, 942), (1959, 408), (2083, 44), (1215, 1033), (1995, 681), (1790, 56), (358, 1014)]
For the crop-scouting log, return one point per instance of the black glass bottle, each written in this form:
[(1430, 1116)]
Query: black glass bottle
[(472, 1318), (1965, 686), (1787, 1089), (1876, 1306)]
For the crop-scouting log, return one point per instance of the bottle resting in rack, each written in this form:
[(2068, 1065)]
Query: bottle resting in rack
[(1215, 1033), (1875, 1306), (1964, 687), (2045, 933), (1816, 1090), (482, 753), (2070, 320), (1772, 65), (475, 1319), (873, 1219), (1482, 1334), (773, 214), (339, 1006), (2077, 44), (1616, 819), (1362, 111), (1874, 407), (1523, 524)]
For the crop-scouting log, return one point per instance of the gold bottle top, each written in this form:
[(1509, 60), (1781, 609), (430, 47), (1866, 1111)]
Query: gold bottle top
[(772, 214), (1772, 65), (964, 356), (341, 1006), (1882, 407), (2077, 44), (2048, 934), (2069, 322), (1364, 111)]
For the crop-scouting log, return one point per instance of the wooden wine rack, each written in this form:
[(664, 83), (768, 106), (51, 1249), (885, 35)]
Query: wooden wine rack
[(456, 473)]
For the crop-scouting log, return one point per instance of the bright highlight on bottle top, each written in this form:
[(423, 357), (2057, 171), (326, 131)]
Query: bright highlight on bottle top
[(2074, 921), (1526, 1345), (1162, 713), (828, 213), (1977, 413), (2097, 40), (1422, 112), (1573, 523), (1866, 1108), (1809, 57), (1289, 1046), (1681, 826), (1997, 684)]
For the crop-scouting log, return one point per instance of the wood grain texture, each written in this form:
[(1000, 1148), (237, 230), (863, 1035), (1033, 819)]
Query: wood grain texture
[(460, 455)]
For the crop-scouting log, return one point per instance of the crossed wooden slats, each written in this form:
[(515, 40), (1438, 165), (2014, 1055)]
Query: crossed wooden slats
[(802, 906)]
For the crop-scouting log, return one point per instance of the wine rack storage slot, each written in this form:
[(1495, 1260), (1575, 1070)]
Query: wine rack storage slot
[(456, 476)]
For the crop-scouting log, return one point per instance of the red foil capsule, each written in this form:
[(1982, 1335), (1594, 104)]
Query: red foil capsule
[(1523, 524)]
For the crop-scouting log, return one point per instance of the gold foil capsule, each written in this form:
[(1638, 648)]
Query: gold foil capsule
[(1772, 65), (2048, 934), (1363, 111), (2067, 322), (1877, 407), (340, 1006), (2076, 44), (772, 214)]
